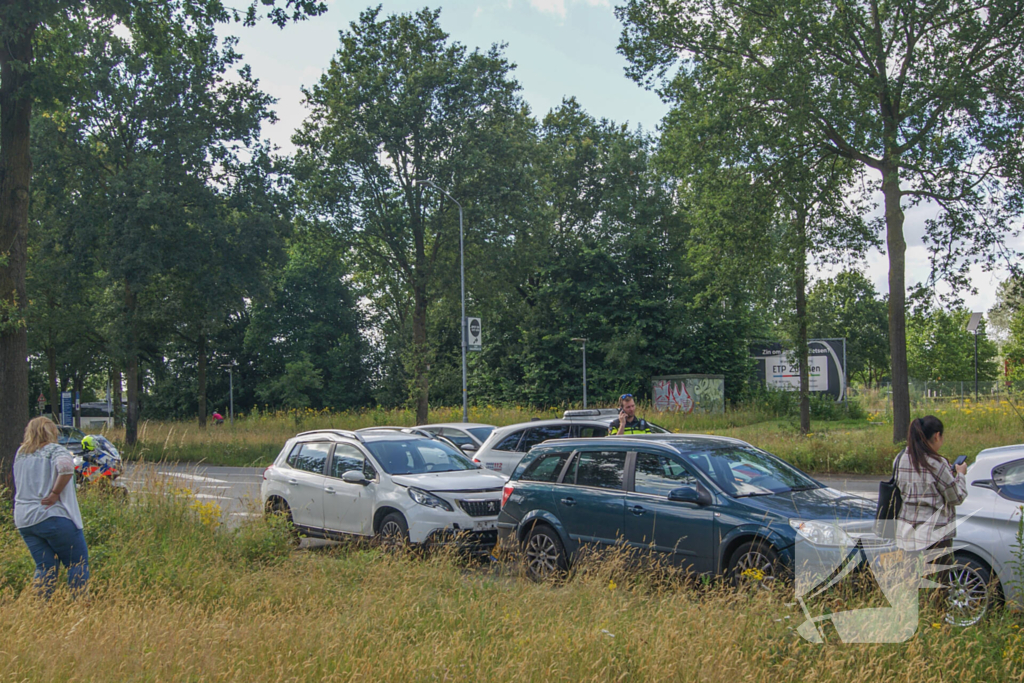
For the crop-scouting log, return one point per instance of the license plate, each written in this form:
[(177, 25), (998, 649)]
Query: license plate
[(485, 526)]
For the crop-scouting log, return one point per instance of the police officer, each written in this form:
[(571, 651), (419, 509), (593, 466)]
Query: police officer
[(628, 422)]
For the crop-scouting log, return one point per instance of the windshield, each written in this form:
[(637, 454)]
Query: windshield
[(70, 435), (481, 433), (418, 456), (746, 471)]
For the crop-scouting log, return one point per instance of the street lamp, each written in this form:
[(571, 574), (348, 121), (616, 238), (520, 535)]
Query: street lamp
[(584, 341), (462, 280), (231, 389), (972, 326)]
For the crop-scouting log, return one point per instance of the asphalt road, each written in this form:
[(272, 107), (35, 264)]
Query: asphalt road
[(237, 489)]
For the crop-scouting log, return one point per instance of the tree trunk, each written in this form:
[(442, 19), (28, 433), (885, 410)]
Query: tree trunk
[(51, 366), (897, 247), (116, 382), (131, 426), (202, 381), (421, 379), (15, 178), (77, 383), (801, 321)]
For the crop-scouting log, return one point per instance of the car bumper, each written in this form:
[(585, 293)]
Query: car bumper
[(475, 542)]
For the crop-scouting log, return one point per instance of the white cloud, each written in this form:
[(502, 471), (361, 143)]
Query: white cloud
[(558, 7)]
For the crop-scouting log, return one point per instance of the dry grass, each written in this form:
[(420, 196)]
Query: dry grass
[(175, 597)]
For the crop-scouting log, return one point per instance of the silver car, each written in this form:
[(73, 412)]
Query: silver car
[(988, 563), (468, 436)]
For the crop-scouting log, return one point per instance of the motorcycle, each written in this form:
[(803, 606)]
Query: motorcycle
[(98, 463)]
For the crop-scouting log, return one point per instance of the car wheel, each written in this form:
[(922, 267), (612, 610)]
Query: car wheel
[(755, 564), (970, 592), (277, 507), (545, 556), (393, 532)]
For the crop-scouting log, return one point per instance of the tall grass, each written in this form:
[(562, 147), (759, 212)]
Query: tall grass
[(173, 598), (834, 446)]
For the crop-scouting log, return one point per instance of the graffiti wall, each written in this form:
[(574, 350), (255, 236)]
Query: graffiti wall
[(689, 393)]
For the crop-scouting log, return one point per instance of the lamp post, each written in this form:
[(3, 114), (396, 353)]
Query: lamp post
[(462, 284), (584, 341), (231, 390), (972, 326)]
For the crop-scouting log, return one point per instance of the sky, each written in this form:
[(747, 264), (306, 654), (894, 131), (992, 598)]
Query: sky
[(560, 48)]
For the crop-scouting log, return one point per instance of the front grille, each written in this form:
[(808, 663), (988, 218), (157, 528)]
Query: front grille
[(481, 508)]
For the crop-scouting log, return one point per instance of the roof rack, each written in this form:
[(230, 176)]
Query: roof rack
[(393, 428), (340, 432)]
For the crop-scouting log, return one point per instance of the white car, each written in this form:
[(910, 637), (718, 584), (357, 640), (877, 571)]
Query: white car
[(468, 436), (398, 485), (506, 446), (987, 525)]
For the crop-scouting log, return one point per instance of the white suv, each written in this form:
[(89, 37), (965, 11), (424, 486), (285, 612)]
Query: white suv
[(394, 484), (506, 446)]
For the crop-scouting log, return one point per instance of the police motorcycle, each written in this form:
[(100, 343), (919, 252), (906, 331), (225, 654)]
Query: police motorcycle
[(99, 463)]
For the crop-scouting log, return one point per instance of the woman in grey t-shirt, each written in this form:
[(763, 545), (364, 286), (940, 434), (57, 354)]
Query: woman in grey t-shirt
[(46, 509)]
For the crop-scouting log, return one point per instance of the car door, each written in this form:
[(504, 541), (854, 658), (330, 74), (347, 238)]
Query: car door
[(1008, 482), (682, 531), (503, 456), (348, 507), (306, 483), (591, 500)]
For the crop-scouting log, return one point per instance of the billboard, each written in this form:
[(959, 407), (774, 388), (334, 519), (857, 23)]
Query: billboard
[(779, 368), (689, 393)]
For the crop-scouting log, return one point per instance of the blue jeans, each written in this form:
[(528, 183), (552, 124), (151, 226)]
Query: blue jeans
[(53, 542)]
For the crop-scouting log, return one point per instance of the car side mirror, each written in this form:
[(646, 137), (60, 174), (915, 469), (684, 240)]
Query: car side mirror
[(698, 495), (469, 447), (354, 477)]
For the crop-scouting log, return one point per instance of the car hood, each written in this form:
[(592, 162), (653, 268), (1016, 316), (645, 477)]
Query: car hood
[(464, 480), (824, 504)]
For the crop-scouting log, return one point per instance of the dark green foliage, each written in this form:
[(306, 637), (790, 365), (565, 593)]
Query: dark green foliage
[(848, 306)]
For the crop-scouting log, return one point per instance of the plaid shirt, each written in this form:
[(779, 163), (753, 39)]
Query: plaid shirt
[(930, 498)]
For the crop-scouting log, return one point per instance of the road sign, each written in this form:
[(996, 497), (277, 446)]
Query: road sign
[(475, 342), (67, 413)]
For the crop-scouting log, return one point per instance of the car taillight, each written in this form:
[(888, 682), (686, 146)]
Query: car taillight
[(476, 460), (506, 492), (265, 472)]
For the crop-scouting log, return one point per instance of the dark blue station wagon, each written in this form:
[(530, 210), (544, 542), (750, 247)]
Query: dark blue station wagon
[(712, 505)]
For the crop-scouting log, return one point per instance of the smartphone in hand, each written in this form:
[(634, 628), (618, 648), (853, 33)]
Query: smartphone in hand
[(959, 461)]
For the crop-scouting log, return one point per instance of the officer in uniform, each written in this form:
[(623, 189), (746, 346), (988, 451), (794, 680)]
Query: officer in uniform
[(628, 422)]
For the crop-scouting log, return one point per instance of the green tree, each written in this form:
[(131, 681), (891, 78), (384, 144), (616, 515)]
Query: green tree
[(23, 25), (296, 388), (939, 347), (400, 102), (926, 96), (848, 306)]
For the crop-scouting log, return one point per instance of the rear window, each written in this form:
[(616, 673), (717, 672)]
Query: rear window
[(600, 469), (546, 467), (510, 442), (537, 435), (587, 431)]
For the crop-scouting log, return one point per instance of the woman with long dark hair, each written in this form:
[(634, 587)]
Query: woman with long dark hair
[(931, 489)]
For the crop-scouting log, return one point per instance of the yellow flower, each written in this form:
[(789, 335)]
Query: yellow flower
[(612, 585)]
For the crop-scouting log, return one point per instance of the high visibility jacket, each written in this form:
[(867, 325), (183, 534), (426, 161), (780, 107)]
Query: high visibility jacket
[(635, 426)]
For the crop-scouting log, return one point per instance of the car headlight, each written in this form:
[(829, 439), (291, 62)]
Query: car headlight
[(429, 499), (821, 533)]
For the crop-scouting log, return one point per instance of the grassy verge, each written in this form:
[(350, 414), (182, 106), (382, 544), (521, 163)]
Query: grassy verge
[(174, 597), (861, 446)]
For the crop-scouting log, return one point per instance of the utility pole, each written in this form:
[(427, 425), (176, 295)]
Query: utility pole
[(462, 280), (231, 390), (584, 341)]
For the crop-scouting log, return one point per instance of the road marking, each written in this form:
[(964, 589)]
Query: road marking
[(193, 477), (207, 495)]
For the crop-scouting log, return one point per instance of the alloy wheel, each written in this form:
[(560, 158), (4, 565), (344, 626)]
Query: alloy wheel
[(756, 568), (967, 596), (542, 555)]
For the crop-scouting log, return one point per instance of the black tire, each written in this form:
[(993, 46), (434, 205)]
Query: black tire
[(971, 592), (544, 554), (393, 532), (756, 564)]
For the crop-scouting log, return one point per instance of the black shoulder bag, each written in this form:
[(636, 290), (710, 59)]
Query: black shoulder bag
[(890, 500)]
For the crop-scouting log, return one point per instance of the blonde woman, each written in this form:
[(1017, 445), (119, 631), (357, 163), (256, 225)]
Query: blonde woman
[(46, 509)]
